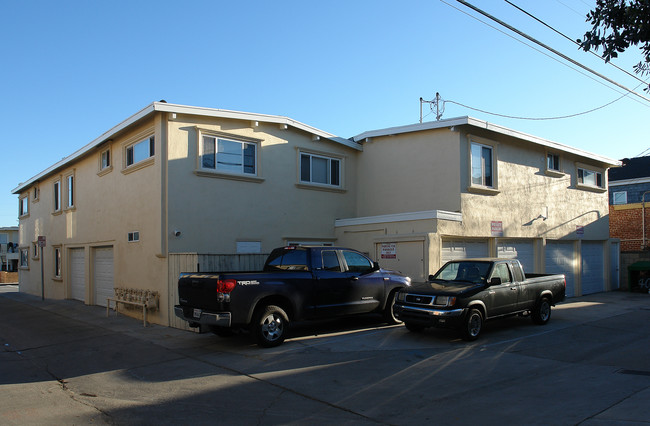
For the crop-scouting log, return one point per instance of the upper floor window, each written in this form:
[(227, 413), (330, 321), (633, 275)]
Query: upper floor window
[(140, 151), (57, 262), (70, 191), (553, 162), (57, 196), (619, 197), (229, 156), (481, 157), (23, 206), (320, 169), (590, 178), (36, 193), (105, 159)]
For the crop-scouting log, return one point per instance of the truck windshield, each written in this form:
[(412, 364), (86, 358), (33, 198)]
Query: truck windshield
[(287, 260), (465, 271)]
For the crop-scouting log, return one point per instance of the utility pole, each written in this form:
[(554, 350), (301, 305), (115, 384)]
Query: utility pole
[(439, 105)]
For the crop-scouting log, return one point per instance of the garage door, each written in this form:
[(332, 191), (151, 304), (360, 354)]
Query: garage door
[(460, 249), (593, 267), (406, 257), (103, 274), (559, 259), (522, 250), (77, 274)]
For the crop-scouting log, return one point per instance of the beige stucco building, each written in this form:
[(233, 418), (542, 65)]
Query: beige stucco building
[(173, 180)]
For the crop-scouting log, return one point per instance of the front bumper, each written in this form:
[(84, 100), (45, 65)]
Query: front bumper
[(196, 317), (429, 317)]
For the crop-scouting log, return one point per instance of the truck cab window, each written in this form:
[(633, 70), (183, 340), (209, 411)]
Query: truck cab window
[(501, 271), (357, 262), (331, 261), (288, 260)]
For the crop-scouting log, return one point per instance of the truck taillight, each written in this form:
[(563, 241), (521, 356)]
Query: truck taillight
[(226, 286)]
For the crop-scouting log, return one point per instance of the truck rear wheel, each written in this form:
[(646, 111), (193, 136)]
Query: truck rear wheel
[(472, 325), (270, 326), (541, 313)]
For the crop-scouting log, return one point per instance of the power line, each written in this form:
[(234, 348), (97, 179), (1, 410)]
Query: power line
[(563, 56), (572, 41)]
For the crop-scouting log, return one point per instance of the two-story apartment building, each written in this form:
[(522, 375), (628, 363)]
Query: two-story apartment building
[(173, 180), (9, 248)]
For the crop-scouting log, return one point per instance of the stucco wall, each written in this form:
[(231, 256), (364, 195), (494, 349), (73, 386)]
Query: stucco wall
[(214, 212)]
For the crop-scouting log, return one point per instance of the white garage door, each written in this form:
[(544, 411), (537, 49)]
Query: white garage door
[(77, 274), (559, 260), (103, 274), (522, 250), (460, 249), (593, 267)]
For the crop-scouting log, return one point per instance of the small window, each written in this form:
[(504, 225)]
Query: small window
[(320, 169), (590, 178), (105, 160), (57, 196), (23, 206), (481, 165), (133, 236), (228, 156), (57, 262), (35, 250), (619, 197), (24, 257), (553, 162), (36, 193), (70, 191), (140, 151)]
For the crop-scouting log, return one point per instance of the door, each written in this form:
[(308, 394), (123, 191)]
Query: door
[(560, 259), (77, 274), (461, 249), (502, 298), (103, 274), (593, 267), (522, 250)]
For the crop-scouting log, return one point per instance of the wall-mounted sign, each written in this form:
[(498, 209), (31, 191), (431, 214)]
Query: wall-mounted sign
[(389, 251), (496, 228), (41, 241)]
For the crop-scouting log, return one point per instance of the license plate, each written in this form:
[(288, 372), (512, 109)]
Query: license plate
[(197, 313)]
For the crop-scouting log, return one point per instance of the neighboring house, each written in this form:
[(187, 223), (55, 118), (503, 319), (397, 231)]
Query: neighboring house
[(138, 204), (9, 251), (629, 196)]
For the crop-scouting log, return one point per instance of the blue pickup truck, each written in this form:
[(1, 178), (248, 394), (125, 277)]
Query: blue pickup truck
[(297, 283)]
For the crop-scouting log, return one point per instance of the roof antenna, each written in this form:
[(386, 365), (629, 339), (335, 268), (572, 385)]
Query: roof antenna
[(439, 104)]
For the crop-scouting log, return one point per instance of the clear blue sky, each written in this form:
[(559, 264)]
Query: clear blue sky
[(71, 70)]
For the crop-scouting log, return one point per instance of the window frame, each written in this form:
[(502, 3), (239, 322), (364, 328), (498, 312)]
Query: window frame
[(133, 237), (105, 166), (615, 193), (330, 158), (58, 264), (599, 175), (130, 159), (242, 155), (36, 250), (56, 188), (225, 174), (483, 188), (70, 192), (24, 257), (23, 205)]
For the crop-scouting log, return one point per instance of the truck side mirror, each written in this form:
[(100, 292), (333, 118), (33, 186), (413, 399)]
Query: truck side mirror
[(430, 277), (494, 281)]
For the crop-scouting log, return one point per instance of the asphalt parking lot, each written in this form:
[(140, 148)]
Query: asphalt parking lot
[(66, 363)]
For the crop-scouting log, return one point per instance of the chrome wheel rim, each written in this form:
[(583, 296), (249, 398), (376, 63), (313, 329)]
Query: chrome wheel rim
[(272, 327)]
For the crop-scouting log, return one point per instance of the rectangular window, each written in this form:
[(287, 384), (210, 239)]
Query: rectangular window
[(140, 151), (57, 196), (590, 178), (320, 169), (70, 188), (24, 255), (133, 236), (36, 193), (553, 162), (619, 197), (57, 262), (35, 250), (228, 156), (105, 161), (481, 165), (23, 206)]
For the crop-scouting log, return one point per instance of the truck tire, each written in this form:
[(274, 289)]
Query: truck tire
[(270, 326), (472, 325), (389, 315), (541, 312)]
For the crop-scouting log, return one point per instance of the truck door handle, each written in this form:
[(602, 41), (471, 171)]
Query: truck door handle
[(513, 288)]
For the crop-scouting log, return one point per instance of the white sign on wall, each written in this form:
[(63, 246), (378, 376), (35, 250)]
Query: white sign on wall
[(389, 251)]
